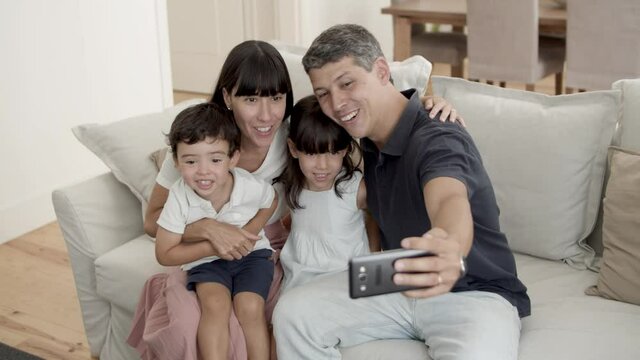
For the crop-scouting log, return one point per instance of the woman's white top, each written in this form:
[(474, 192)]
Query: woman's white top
[(272, 166), (324, 235), (248, 196)]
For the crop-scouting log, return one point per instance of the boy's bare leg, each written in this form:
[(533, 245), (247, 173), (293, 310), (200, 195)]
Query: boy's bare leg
[(213, 330), (249, 309)]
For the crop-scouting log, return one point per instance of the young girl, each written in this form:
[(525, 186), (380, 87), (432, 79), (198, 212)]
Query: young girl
[(326, 194)]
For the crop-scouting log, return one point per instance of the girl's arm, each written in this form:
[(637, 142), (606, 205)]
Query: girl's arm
[(373, 231), (172, 251), (262, 216)]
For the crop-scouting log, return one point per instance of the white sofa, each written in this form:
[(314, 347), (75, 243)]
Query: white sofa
[(547, 159)]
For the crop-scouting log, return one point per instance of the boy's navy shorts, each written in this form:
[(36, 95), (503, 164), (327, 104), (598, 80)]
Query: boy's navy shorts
[(252, 273)]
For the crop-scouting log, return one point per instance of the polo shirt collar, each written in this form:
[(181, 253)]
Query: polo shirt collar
[(398, 141), (195, 200)]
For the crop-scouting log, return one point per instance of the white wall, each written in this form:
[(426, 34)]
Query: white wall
[(64, 63), (300, 21)]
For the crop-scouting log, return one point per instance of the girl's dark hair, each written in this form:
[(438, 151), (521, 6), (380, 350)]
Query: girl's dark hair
[(312, 132), (200, 121), (255, 68)]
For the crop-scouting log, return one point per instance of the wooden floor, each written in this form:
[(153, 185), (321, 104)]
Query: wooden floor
[(39, 310)]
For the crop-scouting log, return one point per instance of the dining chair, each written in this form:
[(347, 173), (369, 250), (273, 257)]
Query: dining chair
[(439, 47), (503, 44), (603, 43)]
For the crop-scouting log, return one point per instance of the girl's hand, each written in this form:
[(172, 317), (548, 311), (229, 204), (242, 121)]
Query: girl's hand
[(438, 104)]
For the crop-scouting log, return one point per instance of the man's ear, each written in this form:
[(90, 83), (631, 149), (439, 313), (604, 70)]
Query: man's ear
[(382, 70), (292, 149)]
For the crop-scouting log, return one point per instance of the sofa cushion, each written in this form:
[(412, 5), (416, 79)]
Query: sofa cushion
[(122, 272), (546, 157), (124, 146), (567, 324), (630, 124), (620, 269), (413, 72)]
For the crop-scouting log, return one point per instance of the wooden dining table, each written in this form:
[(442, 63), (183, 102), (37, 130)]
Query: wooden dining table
[(552, 19)]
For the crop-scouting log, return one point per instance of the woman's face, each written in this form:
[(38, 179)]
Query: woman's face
[(258, 117)]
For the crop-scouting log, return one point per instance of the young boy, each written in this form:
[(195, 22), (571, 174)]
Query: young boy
[(205, 143)]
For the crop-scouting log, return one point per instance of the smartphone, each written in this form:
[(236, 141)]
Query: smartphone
[(373, 274)]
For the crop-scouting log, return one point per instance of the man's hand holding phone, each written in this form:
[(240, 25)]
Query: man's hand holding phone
[(426, 266)]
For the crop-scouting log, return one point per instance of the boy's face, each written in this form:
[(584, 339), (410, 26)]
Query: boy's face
[(205, 167), (348, 93)]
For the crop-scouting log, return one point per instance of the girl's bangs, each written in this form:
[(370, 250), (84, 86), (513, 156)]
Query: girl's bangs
[(318, 138)]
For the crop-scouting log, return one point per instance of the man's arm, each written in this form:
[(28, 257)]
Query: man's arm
[(229, 242), (450, 238)]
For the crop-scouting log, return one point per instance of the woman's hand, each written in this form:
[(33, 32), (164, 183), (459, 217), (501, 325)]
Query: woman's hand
[(228, 241), (438, 104)]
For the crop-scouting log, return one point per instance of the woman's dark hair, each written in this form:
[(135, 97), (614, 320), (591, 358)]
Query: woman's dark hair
[(197, 122), (254, 68), (312, 132)]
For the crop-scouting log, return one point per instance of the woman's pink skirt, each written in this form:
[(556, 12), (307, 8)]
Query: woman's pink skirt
[(166, 320)]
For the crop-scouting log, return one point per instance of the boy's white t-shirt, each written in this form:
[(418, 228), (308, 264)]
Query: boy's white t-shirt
[(272, 167), (184, 207)]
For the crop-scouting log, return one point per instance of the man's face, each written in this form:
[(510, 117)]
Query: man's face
[(346, 93)]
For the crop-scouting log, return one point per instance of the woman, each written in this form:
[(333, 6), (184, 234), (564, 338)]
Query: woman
[(254, 84)]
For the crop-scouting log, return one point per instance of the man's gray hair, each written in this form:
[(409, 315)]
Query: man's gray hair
[(343, 40)]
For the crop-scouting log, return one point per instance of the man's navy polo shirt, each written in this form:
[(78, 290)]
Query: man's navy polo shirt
[(418, 150)]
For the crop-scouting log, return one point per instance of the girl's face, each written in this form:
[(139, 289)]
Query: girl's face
[(320, 170), (258, 117)]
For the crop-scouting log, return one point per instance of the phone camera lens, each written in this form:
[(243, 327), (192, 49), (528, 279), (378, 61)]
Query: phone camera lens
[(362, 277)]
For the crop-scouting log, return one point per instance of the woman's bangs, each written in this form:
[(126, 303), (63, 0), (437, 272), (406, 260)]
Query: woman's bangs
[(262, 76)]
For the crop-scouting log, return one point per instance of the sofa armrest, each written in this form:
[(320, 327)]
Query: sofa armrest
[(95, 216)]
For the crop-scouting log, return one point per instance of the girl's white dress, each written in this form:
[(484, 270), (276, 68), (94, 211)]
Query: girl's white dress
[(324, 235)]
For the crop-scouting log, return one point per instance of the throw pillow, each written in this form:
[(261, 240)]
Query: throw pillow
[(620, 269), (157, 157), (124, 146), (546, 156), (630, 124)]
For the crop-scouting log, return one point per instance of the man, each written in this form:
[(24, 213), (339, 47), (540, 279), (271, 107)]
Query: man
[(427, 189)]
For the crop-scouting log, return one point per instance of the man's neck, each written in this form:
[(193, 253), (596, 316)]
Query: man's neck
[(393, 107)]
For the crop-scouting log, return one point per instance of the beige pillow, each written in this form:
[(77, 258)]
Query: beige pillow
[(546, 156), (620, 269), (124, 146), (158, 157)]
